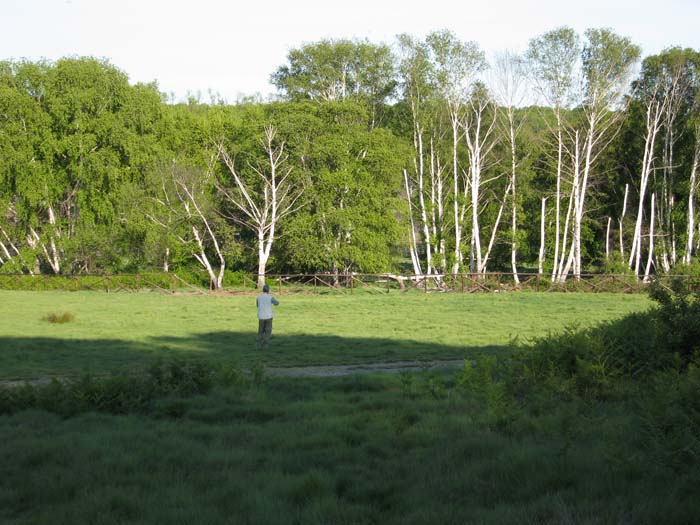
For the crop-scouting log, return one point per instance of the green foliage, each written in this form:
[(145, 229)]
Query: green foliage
[(115, 394), (87, 160), (335, 70), (670, 419), (690, 270), (351, 192), (678, 318)]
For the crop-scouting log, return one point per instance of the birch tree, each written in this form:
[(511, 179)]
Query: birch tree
[(511, 91), (417, 74), (692, 189), (608, 61), (553, 59), (479, 131), (457, 66), (188, 211), (675, 71), (266, 198), (655, 102)]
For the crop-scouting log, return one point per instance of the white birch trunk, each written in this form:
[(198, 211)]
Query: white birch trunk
[(201, 256), (492, 239), (216, 278), (650, 255), (540, 266), (514, 204), (479, 144), (652, 128), (262, 213), (455, 186), (413, 248), (557, 212), (423, 212), (691, 197), (622, 218)]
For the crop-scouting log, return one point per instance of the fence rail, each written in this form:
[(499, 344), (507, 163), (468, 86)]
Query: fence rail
[(340, 283)]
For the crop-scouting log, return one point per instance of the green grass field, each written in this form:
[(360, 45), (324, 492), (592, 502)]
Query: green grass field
[(118, 332), (426, 447)]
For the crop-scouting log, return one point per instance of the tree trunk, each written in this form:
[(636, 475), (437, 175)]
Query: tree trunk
[(413, 247), (652, 128), (557, 217), (691, 197), (455, 186), (540, 266), (622, 218), (650, 255)]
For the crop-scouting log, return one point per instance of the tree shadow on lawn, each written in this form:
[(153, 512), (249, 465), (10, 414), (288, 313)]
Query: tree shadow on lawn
[(34, 357)]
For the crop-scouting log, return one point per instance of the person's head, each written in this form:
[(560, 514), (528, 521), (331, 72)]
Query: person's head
[(266, 288)]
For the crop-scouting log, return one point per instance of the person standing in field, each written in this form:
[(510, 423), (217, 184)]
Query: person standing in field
[(265, 302)]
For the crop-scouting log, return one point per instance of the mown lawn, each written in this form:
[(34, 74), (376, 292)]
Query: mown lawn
[(122, 331)]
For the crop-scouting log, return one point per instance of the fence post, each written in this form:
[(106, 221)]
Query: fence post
[(107, 283), (174, 284), (425, 284), (279, 278)]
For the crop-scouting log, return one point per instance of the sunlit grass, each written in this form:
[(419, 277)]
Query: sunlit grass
[(125, 331)]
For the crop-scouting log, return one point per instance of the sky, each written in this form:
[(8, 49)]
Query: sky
[(230, 48)]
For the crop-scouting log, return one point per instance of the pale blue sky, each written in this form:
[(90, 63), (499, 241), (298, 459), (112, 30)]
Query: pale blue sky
[(232, 47)]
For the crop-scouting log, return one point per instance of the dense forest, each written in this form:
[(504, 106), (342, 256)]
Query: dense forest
[(421, 157)]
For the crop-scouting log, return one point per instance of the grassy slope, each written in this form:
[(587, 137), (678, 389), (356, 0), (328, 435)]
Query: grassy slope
[(122, 331)]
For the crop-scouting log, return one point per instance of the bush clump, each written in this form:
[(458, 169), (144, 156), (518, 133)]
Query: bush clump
[(115, 394), (59, 318)]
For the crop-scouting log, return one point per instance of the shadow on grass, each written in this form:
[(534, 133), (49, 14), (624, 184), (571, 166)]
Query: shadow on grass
[(31, 357)]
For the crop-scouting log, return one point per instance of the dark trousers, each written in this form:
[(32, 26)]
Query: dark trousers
[(264, 333)]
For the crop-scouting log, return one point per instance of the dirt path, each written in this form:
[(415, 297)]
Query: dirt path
[(363, 368), (310, 371)]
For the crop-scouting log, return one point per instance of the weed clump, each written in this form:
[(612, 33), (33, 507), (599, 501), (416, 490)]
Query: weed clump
[(59, 318)]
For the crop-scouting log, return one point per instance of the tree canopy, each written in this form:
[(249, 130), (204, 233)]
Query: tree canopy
[(401, 158)]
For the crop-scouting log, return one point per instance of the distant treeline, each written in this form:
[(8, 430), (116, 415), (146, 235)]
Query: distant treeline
[(418, 157)]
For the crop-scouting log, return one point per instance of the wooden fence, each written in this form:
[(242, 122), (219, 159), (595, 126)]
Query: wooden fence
[(494, 282), (340, 283)]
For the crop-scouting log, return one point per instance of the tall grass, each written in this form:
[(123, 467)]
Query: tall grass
[(347, 450)]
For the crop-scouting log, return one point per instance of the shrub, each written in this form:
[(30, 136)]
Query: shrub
[(670, 419), (678, 320), (115, 394)]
